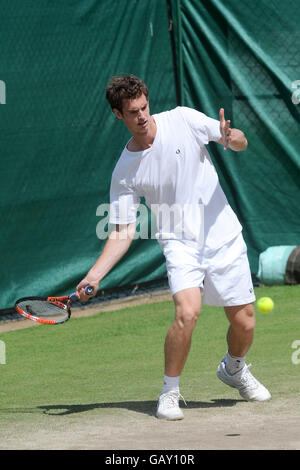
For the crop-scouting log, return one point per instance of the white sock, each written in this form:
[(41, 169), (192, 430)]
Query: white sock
[(171, 384), (233, 363)]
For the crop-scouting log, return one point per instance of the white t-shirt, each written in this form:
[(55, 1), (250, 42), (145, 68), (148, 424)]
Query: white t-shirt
[(176, 172)]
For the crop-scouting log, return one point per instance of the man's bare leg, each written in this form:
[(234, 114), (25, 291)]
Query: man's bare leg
[(177, 347), (241, 330), (178, 340)]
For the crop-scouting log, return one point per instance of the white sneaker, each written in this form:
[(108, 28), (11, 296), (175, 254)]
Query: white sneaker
[(168, 406), (249, 388)]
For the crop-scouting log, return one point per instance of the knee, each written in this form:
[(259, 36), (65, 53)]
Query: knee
[(187, 316), (244, 321)]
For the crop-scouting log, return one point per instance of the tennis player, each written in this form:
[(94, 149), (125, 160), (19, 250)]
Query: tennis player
[(166, 162)]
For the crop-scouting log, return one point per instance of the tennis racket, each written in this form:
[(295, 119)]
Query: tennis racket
[(48, 310)]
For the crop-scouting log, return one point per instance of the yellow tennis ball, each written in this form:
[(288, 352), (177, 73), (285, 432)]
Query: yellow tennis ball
[(265, 304)]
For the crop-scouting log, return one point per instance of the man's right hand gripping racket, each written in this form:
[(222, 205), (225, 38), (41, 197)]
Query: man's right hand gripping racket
[(48, 310)]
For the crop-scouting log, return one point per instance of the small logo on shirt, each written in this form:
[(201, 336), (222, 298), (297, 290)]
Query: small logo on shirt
[(178, 152)]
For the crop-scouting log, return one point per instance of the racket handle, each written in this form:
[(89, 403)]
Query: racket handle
[(88, 290)]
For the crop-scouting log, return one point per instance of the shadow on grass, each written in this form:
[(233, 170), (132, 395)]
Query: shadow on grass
[(145, 407)]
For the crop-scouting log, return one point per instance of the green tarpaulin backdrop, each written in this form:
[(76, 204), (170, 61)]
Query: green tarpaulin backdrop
[(59, 140)]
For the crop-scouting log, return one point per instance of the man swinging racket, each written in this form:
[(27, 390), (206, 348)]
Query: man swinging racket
[(167, 163)]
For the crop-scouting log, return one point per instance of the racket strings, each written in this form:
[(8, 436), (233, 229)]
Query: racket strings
[(43, 309)]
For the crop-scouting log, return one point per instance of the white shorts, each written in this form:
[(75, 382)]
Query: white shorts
[(223, 275)]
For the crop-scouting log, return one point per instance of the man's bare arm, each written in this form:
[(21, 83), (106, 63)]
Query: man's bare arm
[(114, 249)]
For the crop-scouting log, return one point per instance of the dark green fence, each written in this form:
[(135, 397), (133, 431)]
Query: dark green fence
[(59, 140)]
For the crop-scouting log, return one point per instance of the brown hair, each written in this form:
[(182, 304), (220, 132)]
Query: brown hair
[(124, 87)]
